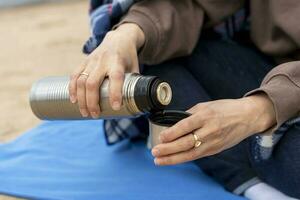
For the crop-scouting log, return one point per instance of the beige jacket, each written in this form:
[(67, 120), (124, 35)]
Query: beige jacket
[(172, 29)]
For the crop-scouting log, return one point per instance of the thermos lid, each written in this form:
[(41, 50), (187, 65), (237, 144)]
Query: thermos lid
[(152, 94), (168, 117)]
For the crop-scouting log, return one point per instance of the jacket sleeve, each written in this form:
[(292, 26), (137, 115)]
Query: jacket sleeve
[(172, 27), (282, 85)]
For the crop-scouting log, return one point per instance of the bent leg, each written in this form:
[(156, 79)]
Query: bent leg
[(227, 69), (231, 168), (282, 170), (185, 88)]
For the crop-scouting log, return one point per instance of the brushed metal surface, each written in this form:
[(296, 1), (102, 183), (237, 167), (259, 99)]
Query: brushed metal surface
[(49, 99)]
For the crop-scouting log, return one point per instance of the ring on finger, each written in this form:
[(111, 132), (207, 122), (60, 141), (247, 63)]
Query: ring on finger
[(84, 74), (197, 140)]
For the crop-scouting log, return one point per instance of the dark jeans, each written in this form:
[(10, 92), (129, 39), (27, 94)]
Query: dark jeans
[(221, 69)]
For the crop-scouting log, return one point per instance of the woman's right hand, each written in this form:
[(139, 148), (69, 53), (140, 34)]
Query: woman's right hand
[(116, 55)]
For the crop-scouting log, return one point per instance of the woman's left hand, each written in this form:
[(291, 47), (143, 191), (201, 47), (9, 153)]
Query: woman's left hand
[(219, 125)]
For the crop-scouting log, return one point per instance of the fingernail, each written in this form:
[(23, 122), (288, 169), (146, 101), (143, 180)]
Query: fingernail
[(156, 161), (155, 152), (116, 105), (84, 113), (73, 99), (94, 115)]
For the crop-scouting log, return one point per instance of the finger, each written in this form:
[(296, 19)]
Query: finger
[(193, 109), (185, 156), (116, 81), (81, 93), (204, 134), (196, 108), (93, 84), (182, 144), (135, 64), (181, 128), (73, 82)]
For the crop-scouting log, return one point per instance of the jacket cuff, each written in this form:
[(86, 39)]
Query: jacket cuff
[(240, 190), (285, 96), (149, 26)]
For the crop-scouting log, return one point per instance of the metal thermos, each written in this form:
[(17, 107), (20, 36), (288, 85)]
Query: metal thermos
[(49, 98)]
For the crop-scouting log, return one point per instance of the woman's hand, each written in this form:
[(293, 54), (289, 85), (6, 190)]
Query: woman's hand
[(219, 125), (116, 55)]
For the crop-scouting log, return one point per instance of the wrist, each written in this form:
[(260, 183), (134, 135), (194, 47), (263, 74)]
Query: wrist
[(134, 32), (261, 111)]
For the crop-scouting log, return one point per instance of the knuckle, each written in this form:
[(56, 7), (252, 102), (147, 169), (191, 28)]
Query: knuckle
[(91, 84), (184, 125), (117, 75)]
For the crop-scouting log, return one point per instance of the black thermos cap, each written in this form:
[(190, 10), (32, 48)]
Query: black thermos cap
[(145, 94)]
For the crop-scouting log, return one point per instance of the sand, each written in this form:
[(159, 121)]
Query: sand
[(36, 41)]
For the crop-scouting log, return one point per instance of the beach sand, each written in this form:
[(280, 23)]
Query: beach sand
[(36, 41)]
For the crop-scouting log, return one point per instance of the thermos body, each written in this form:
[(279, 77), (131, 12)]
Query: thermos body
[(49, 98)]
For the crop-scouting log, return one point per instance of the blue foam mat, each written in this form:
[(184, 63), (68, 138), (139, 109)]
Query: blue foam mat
[(70, 160)]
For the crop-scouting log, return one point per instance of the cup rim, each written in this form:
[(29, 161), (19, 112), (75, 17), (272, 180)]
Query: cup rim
[(167, 117)]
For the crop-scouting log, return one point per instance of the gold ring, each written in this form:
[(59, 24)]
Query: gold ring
[(84, 74), (195, 137), (197, 141)]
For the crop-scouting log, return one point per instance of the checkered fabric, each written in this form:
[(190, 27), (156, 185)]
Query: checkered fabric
[(103, 15)]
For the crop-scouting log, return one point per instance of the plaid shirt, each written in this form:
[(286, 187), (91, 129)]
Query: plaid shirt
[(106, 13)]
